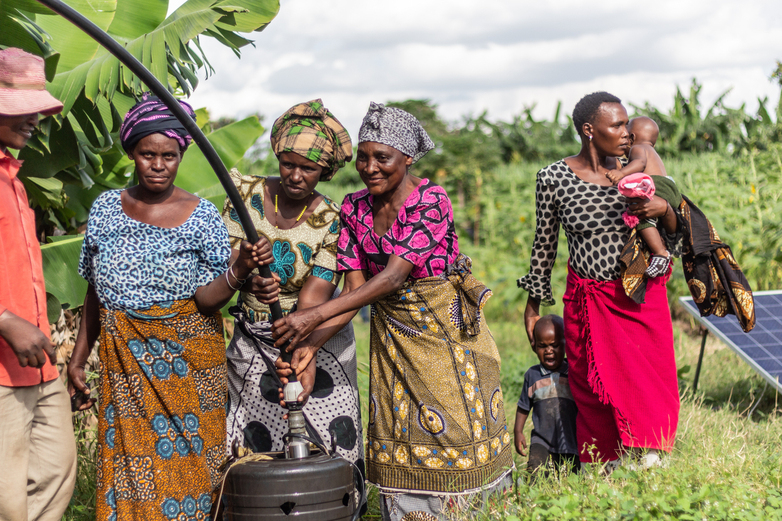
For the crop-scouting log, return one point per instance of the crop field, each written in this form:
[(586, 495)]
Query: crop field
[(727, 460)]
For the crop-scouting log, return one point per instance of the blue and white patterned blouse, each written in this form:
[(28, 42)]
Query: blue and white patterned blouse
[(134, 265)]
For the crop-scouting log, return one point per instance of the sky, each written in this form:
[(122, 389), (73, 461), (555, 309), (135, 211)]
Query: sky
[(496, 55)]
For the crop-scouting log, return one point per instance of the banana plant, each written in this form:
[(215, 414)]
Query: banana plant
[(78, 151), (76, 155)]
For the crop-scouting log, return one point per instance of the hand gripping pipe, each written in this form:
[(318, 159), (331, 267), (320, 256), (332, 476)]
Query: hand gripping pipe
[(157, 88)]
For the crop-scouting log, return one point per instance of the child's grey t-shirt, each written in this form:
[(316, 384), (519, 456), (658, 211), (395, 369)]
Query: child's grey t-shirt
[(547, 394)]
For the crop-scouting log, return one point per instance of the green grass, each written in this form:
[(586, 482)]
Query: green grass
[(724, 464)]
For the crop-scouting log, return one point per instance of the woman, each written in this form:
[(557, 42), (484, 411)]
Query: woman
[(157, 262), (622, 371), (437, 431), (303, 227)]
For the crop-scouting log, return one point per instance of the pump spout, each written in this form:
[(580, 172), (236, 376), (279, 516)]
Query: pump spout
[(297, 446)]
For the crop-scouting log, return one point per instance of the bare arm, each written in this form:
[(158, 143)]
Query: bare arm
[(216, 294), (638, 160), (358, 293), (316, 291), (89, 329), (518, 431)]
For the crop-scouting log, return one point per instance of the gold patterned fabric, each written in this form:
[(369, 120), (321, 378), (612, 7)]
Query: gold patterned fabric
[(307, 249), (715, 279), (634, 260), (436, 417), (161, 424)]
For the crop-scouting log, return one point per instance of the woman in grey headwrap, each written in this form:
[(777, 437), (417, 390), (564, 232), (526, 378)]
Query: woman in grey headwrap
[(438, 440)]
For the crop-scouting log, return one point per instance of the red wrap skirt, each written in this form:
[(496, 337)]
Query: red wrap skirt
[(622, 369)]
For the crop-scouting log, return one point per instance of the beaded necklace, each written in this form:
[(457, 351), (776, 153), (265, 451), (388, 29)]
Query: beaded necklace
[(297, 218)]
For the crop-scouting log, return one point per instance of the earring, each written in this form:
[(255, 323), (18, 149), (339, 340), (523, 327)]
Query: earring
[(590, 138)]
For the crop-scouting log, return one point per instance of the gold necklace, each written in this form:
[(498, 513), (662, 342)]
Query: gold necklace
[(297, 218)]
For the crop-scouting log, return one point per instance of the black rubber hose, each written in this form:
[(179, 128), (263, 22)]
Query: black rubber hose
[(157, 88)]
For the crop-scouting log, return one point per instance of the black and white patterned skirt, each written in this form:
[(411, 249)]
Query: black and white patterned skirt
[(255, 416)]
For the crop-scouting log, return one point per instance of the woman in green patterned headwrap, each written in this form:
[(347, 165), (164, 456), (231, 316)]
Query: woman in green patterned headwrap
[(303, 228)]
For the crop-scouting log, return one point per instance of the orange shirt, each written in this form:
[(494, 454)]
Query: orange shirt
[(22, 290)]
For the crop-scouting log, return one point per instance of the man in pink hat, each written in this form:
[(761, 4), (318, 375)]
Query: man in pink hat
[(37, 448)]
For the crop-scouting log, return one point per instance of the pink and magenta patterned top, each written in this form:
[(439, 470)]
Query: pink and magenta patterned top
[(423, 233)]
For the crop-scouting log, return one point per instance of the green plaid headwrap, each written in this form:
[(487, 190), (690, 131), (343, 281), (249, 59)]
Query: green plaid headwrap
[(313, 132)]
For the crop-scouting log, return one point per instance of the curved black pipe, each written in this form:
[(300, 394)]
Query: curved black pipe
[(157, 88)]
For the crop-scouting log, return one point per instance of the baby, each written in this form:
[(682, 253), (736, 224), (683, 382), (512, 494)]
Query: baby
[(547, 394), (644, 159)]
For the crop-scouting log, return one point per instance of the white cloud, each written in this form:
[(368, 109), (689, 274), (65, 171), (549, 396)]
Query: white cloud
[(496, 55)]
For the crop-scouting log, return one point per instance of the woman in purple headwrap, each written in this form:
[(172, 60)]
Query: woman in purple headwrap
[(159, 267)]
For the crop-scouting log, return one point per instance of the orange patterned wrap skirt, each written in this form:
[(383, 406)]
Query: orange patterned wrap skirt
[(161, 423)]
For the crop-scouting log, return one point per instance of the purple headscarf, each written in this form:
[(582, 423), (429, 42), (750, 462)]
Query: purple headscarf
[(151, 116)]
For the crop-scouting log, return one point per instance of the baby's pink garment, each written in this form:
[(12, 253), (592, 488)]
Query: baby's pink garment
[(637, 185)]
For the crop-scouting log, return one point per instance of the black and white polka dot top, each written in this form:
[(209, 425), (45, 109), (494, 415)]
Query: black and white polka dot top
[(592, 217)]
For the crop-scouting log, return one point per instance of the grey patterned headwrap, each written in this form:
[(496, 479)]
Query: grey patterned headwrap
[(395, 128)]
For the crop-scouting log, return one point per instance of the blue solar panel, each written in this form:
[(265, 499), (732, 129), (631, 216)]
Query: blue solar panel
[(761, 348)]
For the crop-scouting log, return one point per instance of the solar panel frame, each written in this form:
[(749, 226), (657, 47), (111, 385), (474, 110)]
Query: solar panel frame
[(761, 348)]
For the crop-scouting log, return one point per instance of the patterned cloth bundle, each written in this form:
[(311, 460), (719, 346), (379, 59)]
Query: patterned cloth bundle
[(311, 131), (395, 128), (151, 116)]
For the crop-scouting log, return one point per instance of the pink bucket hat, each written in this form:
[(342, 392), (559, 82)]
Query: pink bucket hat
[(23, 85)]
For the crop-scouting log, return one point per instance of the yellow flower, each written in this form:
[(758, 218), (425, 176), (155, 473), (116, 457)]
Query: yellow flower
[(403, 410), (400, 455), (476, 430), (434, 463), (451, 453), (483, 453), (464, 463), (421, 452), (470, 369), (479, 408), (399, 390), (522, 219), (469, 391)]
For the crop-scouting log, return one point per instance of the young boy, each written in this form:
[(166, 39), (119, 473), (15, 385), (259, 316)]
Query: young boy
[(643, 158), (547, 394), (37, 448)]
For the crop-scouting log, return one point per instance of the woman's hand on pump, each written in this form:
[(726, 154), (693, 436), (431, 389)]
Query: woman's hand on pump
[(296, 326), (264, 289), (251, 256), (301, 357), (305, 374)]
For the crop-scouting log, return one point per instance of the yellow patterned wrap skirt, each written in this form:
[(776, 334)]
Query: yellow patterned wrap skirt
[(161, 423), (436, 417)]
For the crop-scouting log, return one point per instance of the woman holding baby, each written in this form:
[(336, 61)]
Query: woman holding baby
[(620, 353)]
